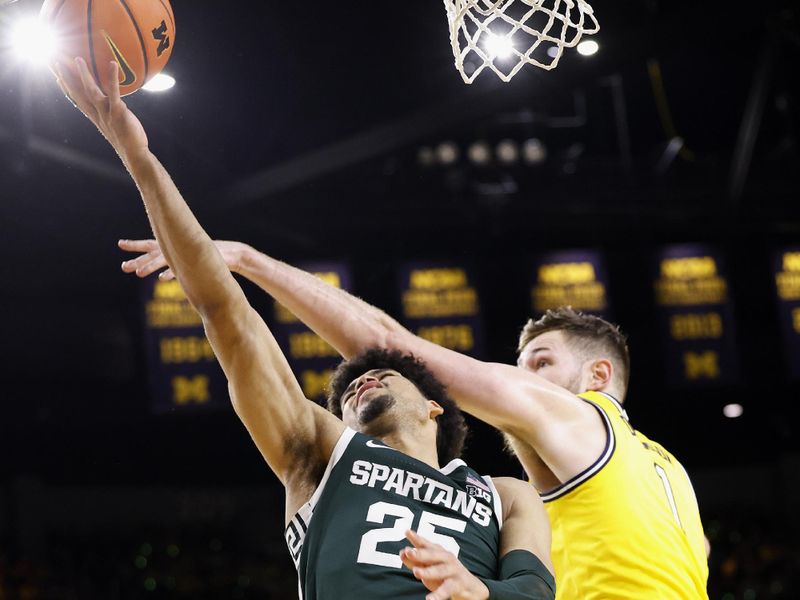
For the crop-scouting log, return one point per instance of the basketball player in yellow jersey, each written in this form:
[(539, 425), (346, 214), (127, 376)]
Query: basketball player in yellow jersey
[(627, 525), (627, 501), (624, 517)]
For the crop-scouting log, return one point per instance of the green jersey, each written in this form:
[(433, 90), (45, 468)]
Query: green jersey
[(345, 541)]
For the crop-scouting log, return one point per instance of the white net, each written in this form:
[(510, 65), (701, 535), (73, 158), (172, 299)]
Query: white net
[(506, 35)]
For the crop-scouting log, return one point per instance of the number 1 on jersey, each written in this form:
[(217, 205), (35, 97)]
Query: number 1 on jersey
[(668, 491)]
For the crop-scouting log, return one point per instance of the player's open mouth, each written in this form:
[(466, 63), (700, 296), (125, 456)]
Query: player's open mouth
[(366, 387)]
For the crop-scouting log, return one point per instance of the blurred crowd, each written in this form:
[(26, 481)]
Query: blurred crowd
[(752, 557), (202, 565)]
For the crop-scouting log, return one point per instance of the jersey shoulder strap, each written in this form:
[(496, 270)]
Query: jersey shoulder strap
[(477, 485), (295, 532), (606, 406)]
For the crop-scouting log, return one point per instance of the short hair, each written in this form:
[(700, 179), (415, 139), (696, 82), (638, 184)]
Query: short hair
[(596, 336), (451, 427)]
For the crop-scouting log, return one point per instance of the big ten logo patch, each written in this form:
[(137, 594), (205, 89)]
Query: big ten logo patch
[(478, 489)]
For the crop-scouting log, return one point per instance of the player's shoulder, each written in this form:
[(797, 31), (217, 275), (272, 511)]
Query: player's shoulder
[(520, 500), (512, 489), (604, 400)]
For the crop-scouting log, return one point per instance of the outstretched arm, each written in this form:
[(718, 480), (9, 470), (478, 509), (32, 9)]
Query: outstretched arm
[(265, 394), (357, 326), (564, 432)]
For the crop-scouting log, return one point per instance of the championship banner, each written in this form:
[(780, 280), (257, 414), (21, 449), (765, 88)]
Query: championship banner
[(183, 372), (695, 315), (575, 278), (312, 359), (440, 303), (787, 288)]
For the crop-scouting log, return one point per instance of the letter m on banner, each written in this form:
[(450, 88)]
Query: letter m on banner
[(701, 365), (186, 390), (182, 371)]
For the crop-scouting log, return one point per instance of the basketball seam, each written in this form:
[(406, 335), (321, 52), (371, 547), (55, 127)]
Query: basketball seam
[(141, 38), (54, 14), (90, 35), (169, 15)]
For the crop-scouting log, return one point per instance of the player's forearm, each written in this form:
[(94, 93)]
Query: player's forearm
[(188, 249), (522, 576), (351, 326), (263, 389), (347, 323)]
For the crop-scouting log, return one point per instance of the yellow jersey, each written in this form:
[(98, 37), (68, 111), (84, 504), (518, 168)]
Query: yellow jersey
[(628, 526)]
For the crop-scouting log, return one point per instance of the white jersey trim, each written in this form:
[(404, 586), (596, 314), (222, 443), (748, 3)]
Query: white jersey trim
[(452, 466), (295, 532), (616, 403), (336, 455), (497, 502), (592, 470)]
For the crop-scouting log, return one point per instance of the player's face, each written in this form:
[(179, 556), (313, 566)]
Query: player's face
[(380, 400), (549, 356)]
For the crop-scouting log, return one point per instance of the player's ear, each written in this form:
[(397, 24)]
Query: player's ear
[(602, 371), (434, 409)]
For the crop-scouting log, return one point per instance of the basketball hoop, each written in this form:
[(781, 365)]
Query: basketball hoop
[(505, 35)]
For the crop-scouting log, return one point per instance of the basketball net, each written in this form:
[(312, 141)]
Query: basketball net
[(505, 35)]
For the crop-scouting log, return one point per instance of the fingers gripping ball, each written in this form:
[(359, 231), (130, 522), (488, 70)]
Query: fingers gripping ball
[(137, 34)]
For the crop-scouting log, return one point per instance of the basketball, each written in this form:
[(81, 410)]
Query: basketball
[(138, 34)]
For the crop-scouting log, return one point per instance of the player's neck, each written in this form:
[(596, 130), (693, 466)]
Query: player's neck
[(416, 446), (612, 390)]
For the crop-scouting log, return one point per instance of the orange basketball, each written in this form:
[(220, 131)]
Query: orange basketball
[(137, 34)]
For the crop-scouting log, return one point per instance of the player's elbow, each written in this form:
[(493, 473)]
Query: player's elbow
[(208, 285), (377, 333), (220, 305), (211, 310), (393, 336), (229, 327)]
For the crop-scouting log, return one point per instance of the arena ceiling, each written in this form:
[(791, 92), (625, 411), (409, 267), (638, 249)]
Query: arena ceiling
[(299, 127)]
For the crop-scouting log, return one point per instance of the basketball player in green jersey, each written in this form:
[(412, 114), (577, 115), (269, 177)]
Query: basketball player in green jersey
[(361, 487), (624, 517)]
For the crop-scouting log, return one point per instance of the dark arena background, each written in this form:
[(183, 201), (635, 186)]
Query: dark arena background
[(655, 181)]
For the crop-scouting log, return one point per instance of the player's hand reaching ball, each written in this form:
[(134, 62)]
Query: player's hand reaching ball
[(108, 112), (441, 572)]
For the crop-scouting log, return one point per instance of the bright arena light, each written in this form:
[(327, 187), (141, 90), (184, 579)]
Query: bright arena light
[(507, 151), (159, 83), (447, 153), (588, 47), (33, 41), (479, 152), (533, 151), (733, 411), (499, 46)]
